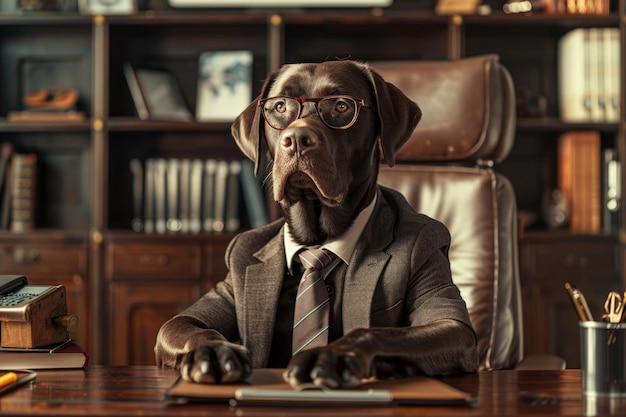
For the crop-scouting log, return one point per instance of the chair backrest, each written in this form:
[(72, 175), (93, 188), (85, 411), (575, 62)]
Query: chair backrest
[(445, 171)]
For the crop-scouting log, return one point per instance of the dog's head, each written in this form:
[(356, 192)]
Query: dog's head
[(325, 154)]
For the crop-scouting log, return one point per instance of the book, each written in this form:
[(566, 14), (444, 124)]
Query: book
[(160, 170), (7, 198), (219, 196), (6, 152), (195, 196), (209, 190), (253, 196), (135, 91), (172, 191), (231, 212), (67, 355), (149, 198), (23, 192), (136, 170), (573, 71), (184, 194), (579, 177), (594, 60), (611, 191), (266, 387), (163, 95), (612, 82), (224, 85)]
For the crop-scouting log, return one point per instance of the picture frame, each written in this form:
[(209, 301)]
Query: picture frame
[(224, 85), (135, 91), (119, 7), (162, 95)]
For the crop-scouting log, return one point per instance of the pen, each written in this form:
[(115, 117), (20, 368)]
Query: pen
[(579, 302), (7, 379)]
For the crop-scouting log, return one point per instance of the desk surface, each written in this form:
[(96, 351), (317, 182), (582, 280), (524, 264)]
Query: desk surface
[(115, 391)]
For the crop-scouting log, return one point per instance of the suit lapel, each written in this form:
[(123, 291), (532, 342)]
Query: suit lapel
[(366, 266), (263, 282)]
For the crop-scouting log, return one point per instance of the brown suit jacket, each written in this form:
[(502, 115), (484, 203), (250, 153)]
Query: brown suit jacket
[(399, 275)]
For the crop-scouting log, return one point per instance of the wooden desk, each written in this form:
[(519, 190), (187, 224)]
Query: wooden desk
[(129, 391)]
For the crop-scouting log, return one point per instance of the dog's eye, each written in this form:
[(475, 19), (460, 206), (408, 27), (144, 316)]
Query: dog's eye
[(280, 107), (342, 106)]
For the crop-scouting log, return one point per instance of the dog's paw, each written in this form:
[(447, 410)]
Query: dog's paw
[(325, 367), (216, 363)]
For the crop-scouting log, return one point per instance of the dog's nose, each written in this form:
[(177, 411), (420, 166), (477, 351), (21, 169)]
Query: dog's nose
[(298, 140)]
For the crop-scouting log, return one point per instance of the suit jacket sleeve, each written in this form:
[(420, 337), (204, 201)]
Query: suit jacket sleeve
[(212, 317), (218, 314)]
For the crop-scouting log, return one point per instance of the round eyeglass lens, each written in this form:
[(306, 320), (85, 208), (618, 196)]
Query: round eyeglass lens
[(337, 111), (280, 112)]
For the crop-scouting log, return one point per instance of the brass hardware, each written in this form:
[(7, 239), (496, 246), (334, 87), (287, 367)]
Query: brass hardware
[(276, 20), (96, 237), (98, 125), (98, 20)]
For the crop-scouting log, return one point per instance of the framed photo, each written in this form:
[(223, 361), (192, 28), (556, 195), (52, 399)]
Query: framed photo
[(224, 85), (107, 6), (162, 95)]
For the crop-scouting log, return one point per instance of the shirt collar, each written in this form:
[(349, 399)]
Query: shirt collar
[(343, 246)]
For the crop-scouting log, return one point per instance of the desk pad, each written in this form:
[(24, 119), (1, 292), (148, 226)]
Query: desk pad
[(266, 386)]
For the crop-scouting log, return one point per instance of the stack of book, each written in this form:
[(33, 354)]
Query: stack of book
[(193, 196)]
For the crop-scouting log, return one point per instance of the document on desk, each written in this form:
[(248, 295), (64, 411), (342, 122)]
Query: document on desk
[(266, 387)]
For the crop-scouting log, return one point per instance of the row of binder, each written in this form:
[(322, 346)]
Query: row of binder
[(173, 195), (589, 75)]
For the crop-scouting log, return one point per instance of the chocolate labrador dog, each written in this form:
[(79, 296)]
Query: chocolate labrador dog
[(395, 311)]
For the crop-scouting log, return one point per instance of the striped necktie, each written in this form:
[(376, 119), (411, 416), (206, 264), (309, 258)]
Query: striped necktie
[(310, 323)]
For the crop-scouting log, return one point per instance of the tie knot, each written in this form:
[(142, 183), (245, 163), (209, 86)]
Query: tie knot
[(316, 258)]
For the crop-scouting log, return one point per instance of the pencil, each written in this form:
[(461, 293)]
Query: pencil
[(579, 302), (7, 379)]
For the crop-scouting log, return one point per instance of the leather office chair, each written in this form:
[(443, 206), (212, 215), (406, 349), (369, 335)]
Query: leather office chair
[(445, 171)]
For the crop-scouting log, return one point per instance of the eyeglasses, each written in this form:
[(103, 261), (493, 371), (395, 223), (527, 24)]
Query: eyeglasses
[(337, 112)]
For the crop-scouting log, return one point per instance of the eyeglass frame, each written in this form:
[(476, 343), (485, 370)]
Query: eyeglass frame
[(301, 100)]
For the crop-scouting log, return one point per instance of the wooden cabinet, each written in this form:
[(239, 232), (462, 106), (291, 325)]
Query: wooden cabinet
[(125, 284), (52, 260), (148, 281), (548, 262)]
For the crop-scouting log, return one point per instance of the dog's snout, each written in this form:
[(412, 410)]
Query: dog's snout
[(298, 140)]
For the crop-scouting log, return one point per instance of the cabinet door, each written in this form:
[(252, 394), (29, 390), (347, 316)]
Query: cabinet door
[(137, 312), (550, 321)]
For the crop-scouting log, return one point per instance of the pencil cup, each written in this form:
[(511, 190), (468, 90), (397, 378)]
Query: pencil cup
[(603, 358)]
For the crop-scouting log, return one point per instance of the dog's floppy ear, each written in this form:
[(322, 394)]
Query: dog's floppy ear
[(398, 116), (248, 127)]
